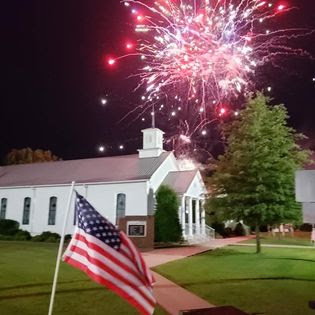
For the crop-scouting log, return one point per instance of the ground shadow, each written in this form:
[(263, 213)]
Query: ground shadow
[(222, 281), (288, 258), (36, 294), (32, 285)]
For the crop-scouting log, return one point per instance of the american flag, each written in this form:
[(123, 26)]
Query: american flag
[(109, 257)]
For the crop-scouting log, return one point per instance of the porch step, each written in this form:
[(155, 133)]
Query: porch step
[(198, 239)]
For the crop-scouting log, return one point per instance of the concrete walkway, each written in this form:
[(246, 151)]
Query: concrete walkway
[(171, 297), (161, 256)]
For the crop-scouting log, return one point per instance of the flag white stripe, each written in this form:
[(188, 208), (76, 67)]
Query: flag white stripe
[(124, 248), (116, 268), (142, 266), (113, 252), (108, 277), (134, 252)]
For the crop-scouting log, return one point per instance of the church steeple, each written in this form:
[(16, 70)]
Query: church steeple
[(152, 143)]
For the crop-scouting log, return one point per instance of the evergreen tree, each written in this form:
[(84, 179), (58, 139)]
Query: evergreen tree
[(254, 179), (167, 226)]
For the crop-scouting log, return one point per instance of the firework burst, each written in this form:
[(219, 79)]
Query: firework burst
[(198, 57), (206, 51)]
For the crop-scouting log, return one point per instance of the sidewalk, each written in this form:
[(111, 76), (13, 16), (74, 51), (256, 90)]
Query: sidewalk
[(169, 295), (163, 255)]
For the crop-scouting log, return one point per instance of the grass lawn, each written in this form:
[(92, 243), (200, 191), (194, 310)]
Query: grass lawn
[(26, 273), (278, 281), (300, 238)]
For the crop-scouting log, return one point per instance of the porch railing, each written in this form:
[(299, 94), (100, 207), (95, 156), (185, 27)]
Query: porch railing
[(197, 230), (210, 231)]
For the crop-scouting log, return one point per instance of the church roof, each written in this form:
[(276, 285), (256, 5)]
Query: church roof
[(106, 169), (180, 180)]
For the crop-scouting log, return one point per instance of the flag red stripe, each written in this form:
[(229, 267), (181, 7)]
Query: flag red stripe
[(103, 274), (134, 252), (125, 252), (111, 257), (108, 284), (102, 266), (138, 258)]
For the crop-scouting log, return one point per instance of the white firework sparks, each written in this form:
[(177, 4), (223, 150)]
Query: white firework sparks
[(205, 50)]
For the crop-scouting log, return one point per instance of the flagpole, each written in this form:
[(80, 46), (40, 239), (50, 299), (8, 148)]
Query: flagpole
[(62, 239)]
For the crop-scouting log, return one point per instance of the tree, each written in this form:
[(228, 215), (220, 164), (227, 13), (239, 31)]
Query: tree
[(167, 226), (254, 178), (27, 155)]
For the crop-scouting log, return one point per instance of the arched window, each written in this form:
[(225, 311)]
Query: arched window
[(3, 208), (52, 211), (121, 205), (26, 211)]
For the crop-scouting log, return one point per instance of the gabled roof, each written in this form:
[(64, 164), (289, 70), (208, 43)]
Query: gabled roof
[(180, 181), (106, 169)]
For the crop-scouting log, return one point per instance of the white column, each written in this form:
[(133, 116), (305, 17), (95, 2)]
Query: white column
[(190, 218), (183, 223), (203, 218), (197, 211)]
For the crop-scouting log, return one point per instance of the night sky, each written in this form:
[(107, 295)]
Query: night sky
[(54, 74)]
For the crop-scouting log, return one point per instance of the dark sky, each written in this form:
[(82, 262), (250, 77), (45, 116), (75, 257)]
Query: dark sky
[(53, 75)]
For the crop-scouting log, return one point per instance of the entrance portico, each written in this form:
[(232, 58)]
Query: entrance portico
[(193, 218), (191, 211)]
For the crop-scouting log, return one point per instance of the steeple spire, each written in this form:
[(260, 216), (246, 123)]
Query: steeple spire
[(153, 116)]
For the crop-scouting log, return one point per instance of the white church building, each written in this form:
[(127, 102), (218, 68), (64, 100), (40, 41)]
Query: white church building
[(121, 188)]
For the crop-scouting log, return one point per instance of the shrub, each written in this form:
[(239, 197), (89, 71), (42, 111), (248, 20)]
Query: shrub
[(22, 236), (52, 239), (37, 238), (47, 237), (239, 229), (6, 237), (219, 228), (305, 227), (68, 237), (262, 228), (8, 227), (167, 226), (228, 232)]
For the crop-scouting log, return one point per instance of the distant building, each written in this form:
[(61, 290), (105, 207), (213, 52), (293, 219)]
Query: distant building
[(121, 188), (305, 191)]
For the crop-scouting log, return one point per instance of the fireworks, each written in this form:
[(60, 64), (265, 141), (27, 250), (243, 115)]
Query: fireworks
[(206, 50), (197, 56)]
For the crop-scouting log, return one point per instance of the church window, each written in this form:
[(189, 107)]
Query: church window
[(26, 211), (3, 209), (121, 205), (52, 211)]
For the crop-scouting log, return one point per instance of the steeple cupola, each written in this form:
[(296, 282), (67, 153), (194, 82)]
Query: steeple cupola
[(152, 143)]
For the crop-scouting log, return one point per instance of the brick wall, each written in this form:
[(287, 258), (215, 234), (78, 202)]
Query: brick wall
[(142, 242)]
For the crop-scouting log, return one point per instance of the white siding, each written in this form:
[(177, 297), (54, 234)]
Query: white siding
[(101, 196), (169, 165), (197, 188)]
